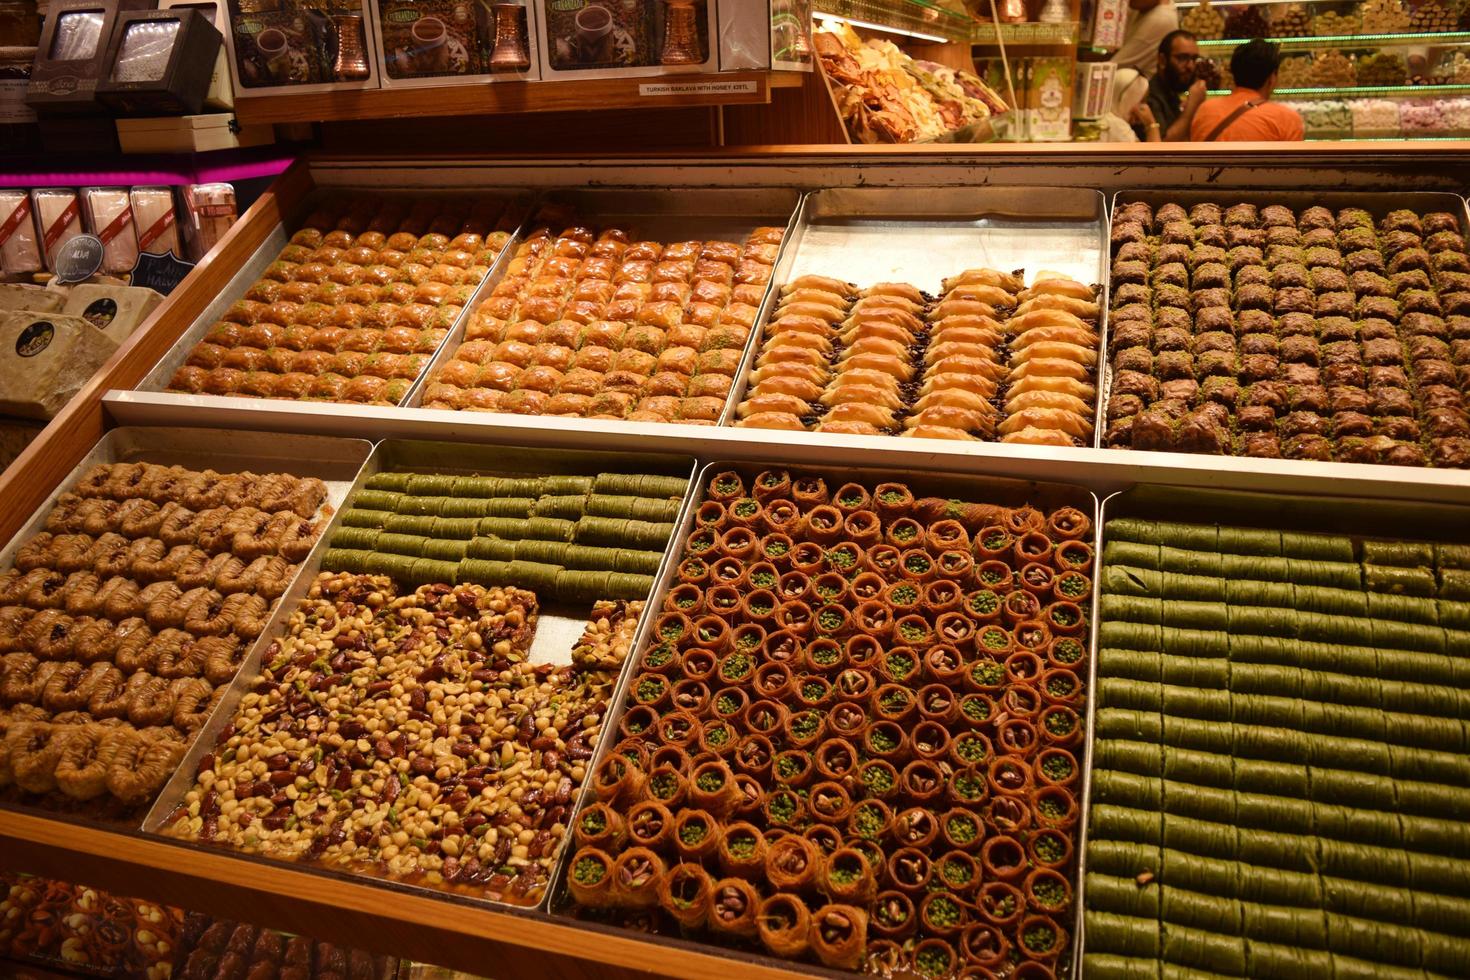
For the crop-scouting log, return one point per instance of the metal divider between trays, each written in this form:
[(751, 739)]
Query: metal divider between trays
[(325, 457), (916, 208), (603, 205), (1274, 511), (482, 460), (515, 209), (973, 488), (1378, 204)]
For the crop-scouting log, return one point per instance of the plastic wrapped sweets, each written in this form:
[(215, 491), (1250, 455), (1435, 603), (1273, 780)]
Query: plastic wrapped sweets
[(59, 218), (211, 212), (153, 213), (109, 214), (20, 252)]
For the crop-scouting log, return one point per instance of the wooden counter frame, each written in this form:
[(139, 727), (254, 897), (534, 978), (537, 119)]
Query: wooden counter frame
[(466, 935)]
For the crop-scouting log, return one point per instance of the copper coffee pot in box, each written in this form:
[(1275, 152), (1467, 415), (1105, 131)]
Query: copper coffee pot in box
[(510, 51), (681, 34), (351, 64)]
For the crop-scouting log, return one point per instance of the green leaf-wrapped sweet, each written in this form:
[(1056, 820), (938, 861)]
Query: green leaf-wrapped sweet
[(634, 508), (1445, 954), (1425, 699), (1205, 950), (1121, 580), (1430, 765), (1367, 939), (1347, 720), (483, 572), (1107, 966), (376, 500), (456, 528), (568, 507), (550, 529), (1347, 823), (568, 484), (363, 517), (1250, 592), (1125, 896), (1352, 968), (1132, 609), (1436, 873), (622, 532), (1200, 768), (1280, 813), (1200, 802), (1428, 799), (1110, 822), (1193, 702), (1277, 886), (1273, 778), (1140, 726), (1134, 664), (1127, 789), (1120, 634), (1450, 838), (1441, 913), (1390, 635), (1133, 529), (1118, 692), (1125, 935), (1267, 848), (388, 481), (1452, 555), (355, 538), (449, 550), (1386, 903), (1317, 547), (1198, 734), (1283, 924), (1141, 758), (1400, 553), (534, 576), (1263, 709), (1264, 620), (1454, 613), (1401, 581), (1332, 602), (1258, 678), (1327, 574), (427, 571), (1131, 553), (1184, 614), (1184, 869), (491, 549), (1189, 561), (1196, 643), (639, 485), (1124, 859), (1195, 671), (1405, 608), (1269, 742), (1203, 840), (1277, 960), (1251, 541), (342, 560), (545, 552), (429, 485), (1321, 628), (1365, 862), (1191, 899)]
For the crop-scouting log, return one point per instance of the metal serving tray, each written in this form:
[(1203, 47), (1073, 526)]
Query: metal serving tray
[(922, 483), (1274, 511), (333, 460), (513, 207), (921, 235), (559, 625), (1376, 203), (668, 215)]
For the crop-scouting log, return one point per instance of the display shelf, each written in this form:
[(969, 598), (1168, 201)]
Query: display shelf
[(1347, 92), (984, 35), (642, 92), (460, 931), (1348, 41), (914, 18)]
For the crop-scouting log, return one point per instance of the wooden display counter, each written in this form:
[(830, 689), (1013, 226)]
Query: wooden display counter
[(476, 937)]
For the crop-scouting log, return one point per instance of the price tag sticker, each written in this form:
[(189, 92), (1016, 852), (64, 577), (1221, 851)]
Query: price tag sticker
[(160, 272)]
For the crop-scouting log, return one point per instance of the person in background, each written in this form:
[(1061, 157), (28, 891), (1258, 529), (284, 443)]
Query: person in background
[(1148, 22), (1247, 114), (1174, 93)]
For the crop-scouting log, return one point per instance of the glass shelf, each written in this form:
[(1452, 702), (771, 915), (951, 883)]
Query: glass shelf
[(1350, 41), (984, 35), (914, 18), (1355, 91)]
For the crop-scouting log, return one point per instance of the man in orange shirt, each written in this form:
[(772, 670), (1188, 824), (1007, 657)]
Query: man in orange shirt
[(1247, 114)]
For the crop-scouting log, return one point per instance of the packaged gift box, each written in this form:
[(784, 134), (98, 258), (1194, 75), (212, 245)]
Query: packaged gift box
[(160, 63)]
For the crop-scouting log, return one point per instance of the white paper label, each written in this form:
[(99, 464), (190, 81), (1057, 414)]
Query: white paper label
[(13, 108), (713, 87)]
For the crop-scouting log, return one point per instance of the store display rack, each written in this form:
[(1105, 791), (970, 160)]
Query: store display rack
[(1348, 41), (918, 19), (1427, 91), (461, 931)]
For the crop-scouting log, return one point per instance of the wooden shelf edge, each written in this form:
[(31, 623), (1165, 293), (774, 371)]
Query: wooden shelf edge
[(355, 913), (496, 98)]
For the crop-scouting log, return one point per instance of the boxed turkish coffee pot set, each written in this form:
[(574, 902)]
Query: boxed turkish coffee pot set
[(300, 46), (440, 42), (617, 38)]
